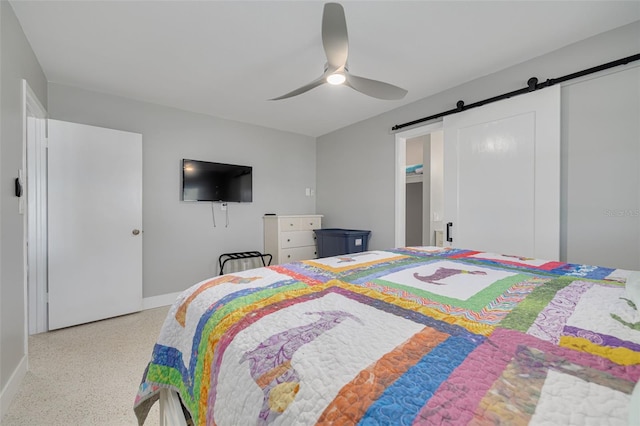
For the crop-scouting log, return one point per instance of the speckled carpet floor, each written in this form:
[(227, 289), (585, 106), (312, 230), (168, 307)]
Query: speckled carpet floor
[(88, 374)]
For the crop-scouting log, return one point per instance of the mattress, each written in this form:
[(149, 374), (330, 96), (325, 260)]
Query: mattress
[(415, 335)]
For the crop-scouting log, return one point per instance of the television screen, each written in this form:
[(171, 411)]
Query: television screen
[(206, 181)]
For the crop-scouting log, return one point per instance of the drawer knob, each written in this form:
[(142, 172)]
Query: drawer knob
[(288, 240)]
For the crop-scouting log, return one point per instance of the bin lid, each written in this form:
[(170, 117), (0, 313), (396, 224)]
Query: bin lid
[(341, 231)]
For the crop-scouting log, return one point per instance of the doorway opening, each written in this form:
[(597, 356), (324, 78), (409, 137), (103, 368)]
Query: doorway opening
[(419, 196)]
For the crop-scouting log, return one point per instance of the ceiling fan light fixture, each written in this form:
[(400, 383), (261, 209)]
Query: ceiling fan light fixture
[(336, 78), (336, 48)]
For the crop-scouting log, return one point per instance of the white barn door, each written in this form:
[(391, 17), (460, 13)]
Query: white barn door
[(502, 176), (95, 223)]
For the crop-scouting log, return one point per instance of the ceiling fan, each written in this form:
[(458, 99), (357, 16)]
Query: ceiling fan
[(336, 71)]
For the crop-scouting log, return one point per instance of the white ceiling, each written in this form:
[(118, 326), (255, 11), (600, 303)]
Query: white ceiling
[(226, 58)]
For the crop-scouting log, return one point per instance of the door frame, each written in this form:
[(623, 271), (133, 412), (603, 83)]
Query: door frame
[(401, 180), (34, 163)]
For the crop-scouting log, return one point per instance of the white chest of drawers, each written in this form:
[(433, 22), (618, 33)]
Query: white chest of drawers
[(289, 238)]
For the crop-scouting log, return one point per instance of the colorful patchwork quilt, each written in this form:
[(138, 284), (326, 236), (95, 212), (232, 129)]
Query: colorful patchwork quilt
[(417, 335)]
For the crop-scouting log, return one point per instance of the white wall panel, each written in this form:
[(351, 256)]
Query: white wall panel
[(601, 163)]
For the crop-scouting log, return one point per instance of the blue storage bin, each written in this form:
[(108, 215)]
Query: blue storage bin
[(337, 241)]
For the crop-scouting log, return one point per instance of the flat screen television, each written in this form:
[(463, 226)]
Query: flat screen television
[(207, 181)]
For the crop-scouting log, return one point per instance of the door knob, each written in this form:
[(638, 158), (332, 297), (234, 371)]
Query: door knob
[(135, 232)]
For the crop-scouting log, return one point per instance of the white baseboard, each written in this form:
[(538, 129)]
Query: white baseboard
[(157, 301), (13, 386)]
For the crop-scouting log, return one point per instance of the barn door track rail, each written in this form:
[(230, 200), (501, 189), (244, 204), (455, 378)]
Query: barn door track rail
[(532, 85)]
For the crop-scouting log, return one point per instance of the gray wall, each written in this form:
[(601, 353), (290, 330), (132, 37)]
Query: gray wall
[(17, 62), (181, 245), (413, 214), (356, 164), (415, 148)]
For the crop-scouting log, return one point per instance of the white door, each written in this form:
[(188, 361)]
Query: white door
[(502, 176), (95, 223)]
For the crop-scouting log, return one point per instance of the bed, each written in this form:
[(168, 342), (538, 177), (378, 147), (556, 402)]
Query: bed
[(415, 335)]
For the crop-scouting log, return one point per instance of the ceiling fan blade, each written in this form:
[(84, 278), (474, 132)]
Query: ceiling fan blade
[(315, 83), (336, 47), (334, 35), (374, 88)]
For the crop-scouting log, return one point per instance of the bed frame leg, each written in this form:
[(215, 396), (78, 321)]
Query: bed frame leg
[(171, 409)]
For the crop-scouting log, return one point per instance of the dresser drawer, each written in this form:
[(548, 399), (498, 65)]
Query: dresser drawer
[(298, 253), (289, 223), (310, 223), (297, 239)]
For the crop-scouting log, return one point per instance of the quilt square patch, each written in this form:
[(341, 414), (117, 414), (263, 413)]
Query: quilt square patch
[(349, 267), (584, 396), (528, 262), (488, 294), (514, 377), (562, 313), (452, 280), (348, 262), (290, 366), (284, 371)]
